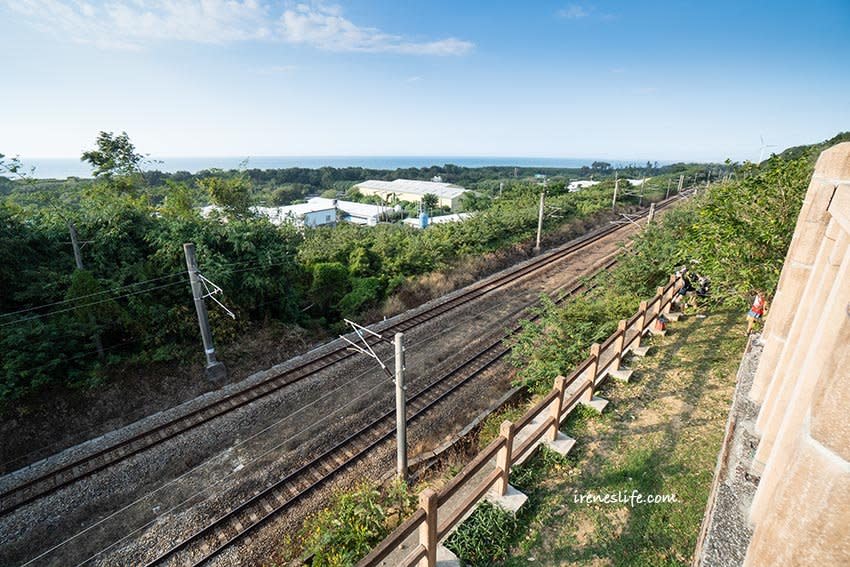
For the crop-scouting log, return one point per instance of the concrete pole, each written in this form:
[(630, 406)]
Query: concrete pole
[(642, 187), (400, 409), (539, 222), (215, 370), (681, 183), (78, 259), (651, 214), (669, 182), (616, 188), (75, 243)]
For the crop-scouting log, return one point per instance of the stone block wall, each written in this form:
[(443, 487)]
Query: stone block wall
[(801, 510)]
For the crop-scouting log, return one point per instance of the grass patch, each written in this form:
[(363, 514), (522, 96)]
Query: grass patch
[(490, 426), (351, 526), (659, 436), (485, 536)]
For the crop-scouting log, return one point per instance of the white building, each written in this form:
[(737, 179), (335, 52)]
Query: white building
[(304, 214), (356, 213), (319, 211), (442, 219), (448, 194), (579, 185)]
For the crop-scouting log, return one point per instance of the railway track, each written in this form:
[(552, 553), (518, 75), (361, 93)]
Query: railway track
[(65, 475), (239, 523)]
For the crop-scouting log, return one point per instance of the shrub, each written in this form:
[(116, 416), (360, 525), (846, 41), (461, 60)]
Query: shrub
[(485, 537), (355, 522)]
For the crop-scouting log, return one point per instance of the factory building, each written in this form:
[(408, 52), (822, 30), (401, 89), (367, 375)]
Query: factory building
[(448, 195), (357, 213)]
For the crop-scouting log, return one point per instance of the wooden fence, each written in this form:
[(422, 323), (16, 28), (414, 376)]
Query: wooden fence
[(516, 440)]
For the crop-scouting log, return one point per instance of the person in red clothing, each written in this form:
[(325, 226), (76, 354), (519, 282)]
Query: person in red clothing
[(757, 311)]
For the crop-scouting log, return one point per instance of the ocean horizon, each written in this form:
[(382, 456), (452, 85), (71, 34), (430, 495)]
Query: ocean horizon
[(62, 168)]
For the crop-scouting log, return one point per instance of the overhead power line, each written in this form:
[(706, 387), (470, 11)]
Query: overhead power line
[(113, 290), (65, 310)]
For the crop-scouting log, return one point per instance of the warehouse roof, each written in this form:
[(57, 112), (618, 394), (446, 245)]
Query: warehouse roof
[(416, 187), (359, 210)]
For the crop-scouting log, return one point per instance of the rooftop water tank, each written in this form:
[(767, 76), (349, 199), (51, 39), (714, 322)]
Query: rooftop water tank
[(423, 219)]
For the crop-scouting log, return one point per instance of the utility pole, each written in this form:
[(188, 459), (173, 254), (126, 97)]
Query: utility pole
[(501, 186), (539, 222), (616, 188), (669, 182), (75, 243), (400, 408), (78, 259), (642, 187), (681, 183), (215, 370), (400, 386)]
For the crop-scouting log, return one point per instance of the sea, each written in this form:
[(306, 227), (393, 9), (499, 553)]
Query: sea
[(61, 168)]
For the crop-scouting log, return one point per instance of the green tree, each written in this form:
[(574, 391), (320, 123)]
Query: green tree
[(115, 155), (179, 201), (233, 194), (430, 201), (330, 284)]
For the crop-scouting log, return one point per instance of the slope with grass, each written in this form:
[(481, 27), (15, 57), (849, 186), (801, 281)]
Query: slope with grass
[(659, 436)]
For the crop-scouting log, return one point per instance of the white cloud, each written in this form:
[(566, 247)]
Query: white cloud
[(325, 27), (414, 79), (573, 12), (579, 11), (134, 24)]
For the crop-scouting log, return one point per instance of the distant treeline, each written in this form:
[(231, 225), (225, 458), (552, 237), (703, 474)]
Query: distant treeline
[(278, 187)]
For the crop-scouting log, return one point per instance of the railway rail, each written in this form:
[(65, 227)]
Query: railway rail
[(210, 541), (67, 474)]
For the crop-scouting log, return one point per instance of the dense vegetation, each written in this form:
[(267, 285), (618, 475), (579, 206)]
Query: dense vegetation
[(62, 326), (736, 234)]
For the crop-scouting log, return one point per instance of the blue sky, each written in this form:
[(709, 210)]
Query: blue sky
[(624, 80)]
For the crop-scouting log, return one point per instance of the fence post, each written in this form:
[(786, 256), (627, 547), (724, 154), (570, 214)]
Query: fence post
[(429, 502), (503, 458), (642, 323), (620, 343), (594, 366), (668, 302), (659, 292), (557, 406)]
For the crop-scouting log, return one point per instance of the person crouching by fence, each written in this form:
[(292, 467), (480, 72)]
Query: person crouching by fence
[(687, 287), (757, 311)]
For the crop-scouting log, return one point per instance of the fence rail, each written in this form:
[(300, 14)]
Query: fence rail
[(539, 422)]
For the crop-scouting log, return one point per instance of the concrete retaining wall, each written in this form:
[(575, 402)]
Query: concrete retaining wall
[(801, 510)]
